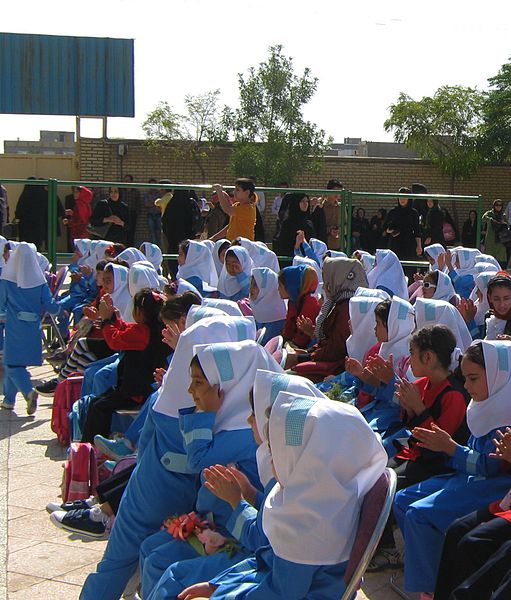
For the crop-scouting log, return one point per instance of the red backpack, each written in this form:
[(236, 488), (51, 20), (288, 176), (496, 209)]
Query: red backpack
[(80, 472), (67, 392)]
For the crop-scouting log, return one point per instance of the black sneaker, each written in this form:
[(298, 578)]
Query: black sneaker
[(90, 522), (47, 388), (72, 505)]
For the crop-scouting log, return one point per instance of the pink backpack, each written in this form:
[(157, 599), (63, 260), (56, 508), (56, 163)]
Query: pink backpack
[(80, 472), (66, 394)]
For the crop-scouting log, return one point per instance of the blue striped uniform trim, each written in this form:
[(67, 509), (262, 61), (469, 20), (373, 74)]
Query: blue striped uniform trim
[(242, 331), (295, 420), (264, 278), (363, 307), (176, 463), (503, 357), (429, 311), (223, 363), (279, 383), (136, 277), (249, 513), (471, 464), (198, 434), (402, 312)]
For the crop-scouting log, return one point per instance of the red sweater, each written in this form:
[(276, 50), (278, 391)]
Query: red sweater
[(120, 335), (453, 409), (309, 308)]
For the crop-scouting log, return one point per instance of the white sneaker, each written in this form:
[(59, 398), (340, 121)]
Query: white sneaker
[(7, 405)]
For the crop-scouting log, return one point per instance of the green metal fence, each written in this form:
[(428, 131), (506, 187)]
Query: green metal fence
[(347, 198)]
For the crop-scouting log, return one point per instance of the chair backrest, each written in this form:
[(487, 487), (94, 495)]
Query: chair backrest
[(283, 358), (274, 344), (59, 281), (260, 335), (374, 513)]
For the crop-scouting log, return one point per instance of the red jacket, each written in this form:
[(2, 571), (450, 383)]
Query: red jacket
[(81, 214), (309, 308)]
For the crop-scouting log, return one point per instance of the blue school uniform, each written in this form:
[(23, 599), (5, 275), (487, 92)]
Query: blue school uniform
[(244, 282), (273, 329), (384, 410), (425, 511), (100, 376), (306, 250), (463, 284), (23, 309), (268, 577), (244, 524)]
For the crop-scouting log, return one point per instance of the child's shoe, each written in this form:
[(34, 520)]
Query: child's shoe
[(7, 405), (71, 505), (47, 388), (116, 449), (91, 522), (31, 399)]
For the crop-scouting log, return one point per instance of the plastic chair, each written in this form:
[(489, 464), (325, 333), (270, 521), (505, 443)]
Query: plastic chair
[(374, 513), (260, 335), (274, 344), (48, 320)]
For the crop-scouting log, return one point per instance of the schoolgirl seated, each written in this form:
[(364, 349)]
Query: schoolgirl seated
[(215, 431), (131, 256), (297, 285), (366, 258), (341, 278), (388, 275), (460, 268), (434, 400), (196, 266), (268, 308), (476, 309), (313, 249), (437, 285), (218, 253), (498, 324), (426, 510), (309, 262), (284, 568), (153, 254), (432, 254), (260, 254), (234, 280), (143, 353)]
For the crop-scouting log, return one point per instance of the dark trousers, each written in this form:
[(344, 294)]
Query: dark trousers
[(99, 413), (112, 488), (409, 472), (476, 557)]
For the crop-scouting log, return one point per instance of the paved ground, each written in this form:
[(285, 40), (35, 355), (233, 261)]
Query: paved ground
[(44, 562)]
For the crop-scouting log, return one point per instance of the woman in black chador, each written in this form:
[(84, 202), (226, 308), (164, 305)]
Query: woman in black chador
[(402, 229)]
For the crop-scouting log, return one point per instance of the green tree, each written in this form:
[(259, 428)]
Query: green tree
[(191, 135), (272, 139), (444, 128), (496, 130)]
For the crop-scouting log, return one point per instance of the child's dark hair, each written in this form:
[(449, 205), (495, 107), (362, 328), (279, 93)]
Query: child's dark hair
[(232, 254), (195, 362), (432, 276), (474, 353), (438, 339), (382, 311), (100, 265), (178, 306), (122, 263), (223, 246), (500, 280), (246, 184), (183, 246), (149, 301)]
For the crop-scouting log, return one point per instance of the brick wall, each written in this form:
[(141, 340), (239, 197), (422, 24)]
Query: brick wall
[(100, 161)]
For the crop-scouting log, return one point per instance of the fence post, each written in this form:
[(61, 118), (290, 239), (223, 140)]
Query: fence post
[(52, 223), (349, 212), (343, 219), (479, 220)]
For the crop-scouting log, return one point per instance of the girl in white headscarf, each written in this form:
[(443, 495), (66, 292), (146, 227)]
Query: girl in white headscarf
[(131, 256), (153, 254), (429, 312), (24, 298), (196, 265), (260, 254), (268, 308), (461, 269), (310, 528), (140, 276), (227, 306), (479, 297), (432, 253), (438, 285), (234, 281), (388, 275), (425, 511), (218, 253)]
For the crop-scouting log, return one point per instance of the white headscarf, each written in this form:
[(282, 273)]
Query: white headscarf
[(372, 293), (232, 366), (140, 276), (444, 289), (481, 284), (153, 254), (434, 251), (388, 273), (44, 263), (3, 241), (121, 295), (267, 386), (400, 326), (99, 251), (23, 268), (218, 263), (227, 284), (260, 254), (480, 267), (198, 312), (185, 286), (319, 248), (311, 515), (83, 245), (362, 325), (174, 390), (488, 258), (227, 306), (495, 411), (268, 306), (198, 263), (131, 255), (467, 260), (429, 312), (366, 259)]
